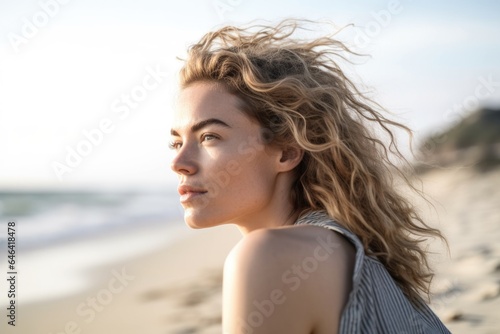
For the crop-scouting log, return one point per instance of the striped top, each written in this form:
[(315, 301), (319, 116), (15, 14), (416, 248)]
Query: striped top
[(376, 304)]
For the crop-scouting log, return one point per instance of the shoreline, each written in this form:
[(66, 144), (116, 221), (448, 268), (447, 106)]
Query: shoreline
[(65, 268), (137, 289)]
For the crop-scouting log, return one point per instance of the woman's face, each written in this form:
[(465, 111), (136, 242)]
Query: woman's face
[(226, 173)]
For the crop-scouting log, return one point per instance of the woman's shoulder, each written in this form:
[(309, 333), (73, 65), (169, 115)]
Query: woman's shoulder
[(292, 243), (307, 270)]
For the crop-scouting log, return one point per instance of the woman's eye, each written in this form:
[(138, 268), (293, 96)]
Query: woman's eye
[(175, 145), (208, 137)]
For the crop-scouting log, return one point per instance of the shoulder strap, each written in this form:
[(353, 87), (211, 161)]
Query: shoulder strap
[(321, 218)]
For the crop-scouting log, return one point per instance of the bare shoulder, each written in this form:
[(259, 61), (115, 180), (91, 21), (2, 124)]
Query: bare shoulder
[(280, 245), (298, 272)]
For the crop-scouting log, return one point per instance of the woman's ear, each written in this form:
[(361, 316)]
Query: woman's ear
[(291, 156)]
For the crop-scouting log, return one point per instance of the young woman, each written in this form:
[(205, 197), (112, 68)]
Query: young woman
[(271, 136)]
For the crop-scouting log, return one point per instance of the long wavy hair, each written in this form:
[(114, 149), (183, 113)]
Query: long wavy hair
[(296, 89)]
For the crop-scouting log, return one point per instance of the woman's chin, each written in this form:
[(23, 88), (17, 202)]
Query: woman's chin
[(197, 222), (195, 226)]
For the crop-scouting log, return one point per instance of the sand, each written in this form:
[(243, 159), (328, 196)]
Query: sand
[(177, 288), (467, 283), (170, 290)]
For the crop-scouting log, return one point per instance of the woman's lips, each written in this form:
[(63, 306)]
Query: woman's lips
[(189, 193), (190, 196)]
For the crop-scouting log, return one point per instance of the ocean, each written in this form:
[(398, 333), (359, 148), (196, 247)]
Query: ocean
[(62, 238), (48, 217)]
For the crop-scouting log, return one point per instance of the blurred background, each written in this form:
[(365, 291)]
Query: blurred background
[(87, 90)]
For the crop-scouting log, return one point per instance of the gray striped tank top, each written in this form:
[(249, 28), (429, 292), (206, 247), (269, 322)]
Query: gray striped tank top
[(376, 304)]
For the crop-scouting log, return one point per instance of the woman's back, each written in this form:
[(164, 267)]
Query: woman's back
[(376, 304)]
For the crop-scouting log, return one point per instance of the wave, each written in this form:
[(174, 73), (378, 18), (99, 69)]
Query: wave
[(44, 217)]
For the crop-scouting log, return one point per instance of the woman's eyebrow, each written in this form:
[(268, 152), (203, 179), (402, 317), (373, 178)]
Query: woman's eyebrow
[(200, 125)]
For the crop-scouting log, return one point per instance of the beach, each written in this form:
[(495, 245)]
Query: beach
[(175, 287), (157, 292), (466, 288)]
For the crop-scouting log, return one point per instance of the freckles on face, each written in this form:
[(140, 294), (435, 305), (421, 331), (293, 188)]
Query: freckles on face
[(226, 174)]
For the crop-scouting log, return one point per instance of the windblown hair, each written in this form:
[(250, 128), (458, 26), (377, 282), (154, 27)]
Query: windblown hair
[(296, 89)]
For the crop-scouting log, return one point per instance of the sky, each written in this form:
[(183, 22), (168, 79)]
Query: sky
[(87, 88)]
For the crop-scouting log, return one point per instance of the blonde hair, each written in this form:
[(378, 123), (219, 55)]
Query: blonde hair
[(296, 89)]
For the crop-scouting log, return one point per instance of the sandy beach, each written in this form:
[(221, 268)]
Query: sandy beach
[(176, 288), (158, 292), (467, 283)]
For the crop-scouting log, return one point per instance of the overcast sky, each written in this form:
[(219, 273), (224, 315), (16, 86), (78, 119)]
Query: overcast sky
[(87, 87)]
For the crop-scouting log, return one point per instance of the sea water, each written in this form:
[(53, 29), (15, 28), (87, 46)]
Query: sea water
[(62, 236), (48, 217)]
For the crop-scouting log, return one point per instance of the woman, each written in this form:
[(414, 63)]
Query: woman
[(271, 136)]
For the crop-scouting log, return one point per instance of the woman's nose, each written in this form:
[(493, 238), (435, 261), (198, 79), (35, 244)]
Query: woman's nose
[(184, 162)]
